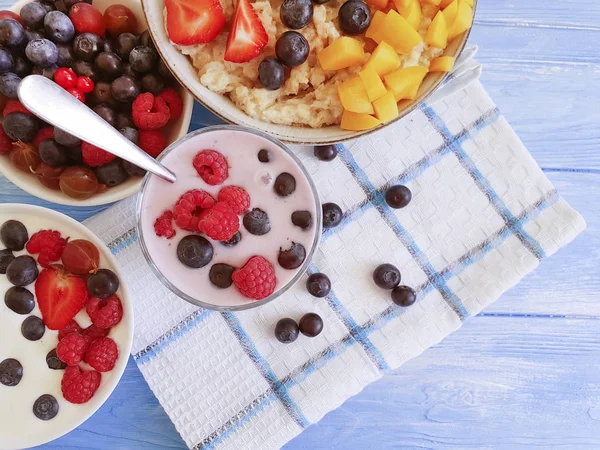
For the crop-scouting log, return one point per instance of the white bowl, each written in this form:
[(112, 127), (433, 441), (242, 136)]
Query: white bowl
[(221, 106), (175, 130), (69, 416)]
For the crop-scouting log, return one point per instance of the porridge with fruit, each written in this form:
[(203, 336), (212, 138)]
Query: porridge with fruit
[(321, 62)]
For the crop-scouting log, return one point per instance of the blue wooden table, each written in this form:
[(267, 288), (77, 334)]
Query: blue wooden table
[(525, 372)]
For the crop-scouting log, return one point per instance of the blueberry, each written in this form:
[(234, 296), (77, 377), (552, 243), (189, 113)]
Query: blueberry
[(320, 2), (108, 65), (311, 325), (142, 59), (318, 285), (22, 271), (14, 235), (12, 33), (194, 251), (164, 71), (111, 174), (33, 328), (54, 361), (296, 14), (354, 17), (52, 153), (125, 89), (59, 27), (386, 276), (398, 196), (220, 275), (153, 83), (30, 35), (264, 156), (86, 46), (293, 257), (332, 215), (124, 120), (6, 257), (21, 66), (103, 283), (11, 372), (285, 184), (286, 331), (404, 296), (133, 170), (124, 43), (292, 48), (235, 239), (9, 82), (302, 219), (131, 133), (42, 52), (85, 69), (66, 139), (107, 113), (101, 94), (146, 40), (271, 73), (257, 222), (48, 72), (326, 152), (109, 47), (20, 126), (19, 300), (128, 71), (6, 60), (45, 407), (75, 155), (32, 14), (66, 55)]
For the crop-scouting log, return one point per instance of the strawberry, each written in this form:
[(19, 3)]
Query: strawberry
[(192, 22), (60, 296), (247, 37)]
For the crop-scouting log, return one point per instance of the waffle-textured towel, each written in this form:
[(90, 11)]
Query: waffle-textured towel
[(483, 215)]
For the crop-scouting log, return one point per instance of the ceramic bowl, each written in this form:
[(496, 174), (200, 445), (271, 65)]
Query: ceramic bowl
[(29, 183)]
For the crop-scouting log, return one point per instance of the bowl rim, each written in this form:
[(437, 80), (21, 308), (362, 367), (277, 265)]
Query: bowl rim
[(126, 301), (318, 223), (410, 107)]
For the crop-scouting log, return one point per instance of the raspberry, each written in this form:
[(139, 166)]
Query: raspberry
[(152, 142), (72, 327), (219, 222), (93, 332), (102, 354), (164, 225), (49, 244), (105, 313), (94, 156), (211, 166), (71, 348), (173, 101), (78, 386), (14, 106), (236, 197), (149, 112), (5, 142), (189, 207), (256, 280), (43, 134)]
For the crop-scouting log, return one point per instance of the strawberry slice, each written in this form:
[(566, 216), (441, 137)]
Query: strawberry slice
[(192, 22), (247, 36), (60, 296)]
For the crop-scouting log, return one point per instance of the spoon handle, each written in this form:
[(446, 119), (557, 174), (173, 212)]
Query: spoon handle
[(56, 106)]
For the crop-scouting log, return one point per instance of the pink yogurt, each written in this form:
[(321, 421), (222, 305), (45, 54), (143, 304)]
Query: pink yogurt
[(240, 146)]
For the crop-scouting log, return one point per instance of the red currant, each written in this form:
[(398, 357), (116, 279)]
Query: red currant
[(77, 94), (85, 84), (65, 78)]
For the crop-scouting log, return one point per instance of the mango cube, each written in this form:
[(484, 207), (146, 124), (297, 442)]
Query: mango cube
[(373, 84), (437, 33), (463, 20), (354, 97), (399, 33), (383, 60), (429, 11), (385, 107), (432, 2), (445, 3), (357, 121), (411, 11), (375, 30), (469, 2), (442, 64), (342, 53), (405, 83), (450, 13), (377, 4)]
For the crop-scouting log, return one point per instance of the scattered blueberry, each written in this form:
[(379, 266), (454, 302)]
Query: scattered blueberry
[(311, 325), (302, 219), (66, 139), (19, 300), (386, 276), (30, 35), (354, 17), (194, 251), (124, 120), (398, 196), (75, 155), (130, 133), (326, 152), (153, 83), (106, 112), (285, 184), (22, 271), (111, 174), (21, 66), (9, 82), (220, 275), (128, 70), (125, 89), (164, 71), (264, 156), (403, 296), (6, 60), (11, 372), (318, 285), (292, 48), (124, 44), (20, 126), (85, 69), (66, 56), (257, 222), (52, 153), (286, 331), (235, 239), (332, 215), (45, 407), (54, 362), (108, 65), (14, 235), (86, 46), (293, 257), (103, 283), (6, 257), (59, 27), (102, 94), (133, 170), (47, 72), (146, 41), (32, 14), (271, 73), (296, 14), (12, 33), (42, 52), (33, 328), (142, 59)]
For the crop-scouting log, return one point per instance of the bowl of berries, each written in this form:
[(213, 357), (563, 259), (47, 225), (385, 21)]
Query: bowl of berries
[(67, 325), (102, 55)]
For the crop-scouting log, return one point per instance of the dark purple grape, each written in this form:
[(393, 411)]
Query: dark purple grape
[(404, 296), (131, 134), (14, 235), (19, 300), (111, 174), (398, 196), (108, 65), (125, 89), (103, 283), (310, 325), (153, 83), (22, 271), (107, 113), (101, 94), (124, 120), (20, 126), (6, 257), (124, 43), (146, 40), (66, 139), (325, 152), (52, 153), (133, 170), (302, 219), (142, 59)]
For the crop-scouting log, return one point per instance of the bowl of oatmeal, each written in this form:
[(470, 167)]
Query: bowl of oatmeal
[(361, 70)]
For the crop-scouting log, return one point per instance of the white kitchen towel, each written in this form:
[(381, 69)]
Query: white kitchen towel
[(483, 215)]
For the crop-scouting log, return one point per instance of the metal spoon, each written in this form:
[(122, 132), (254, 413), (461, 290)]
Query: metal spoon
[(56, 106)]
